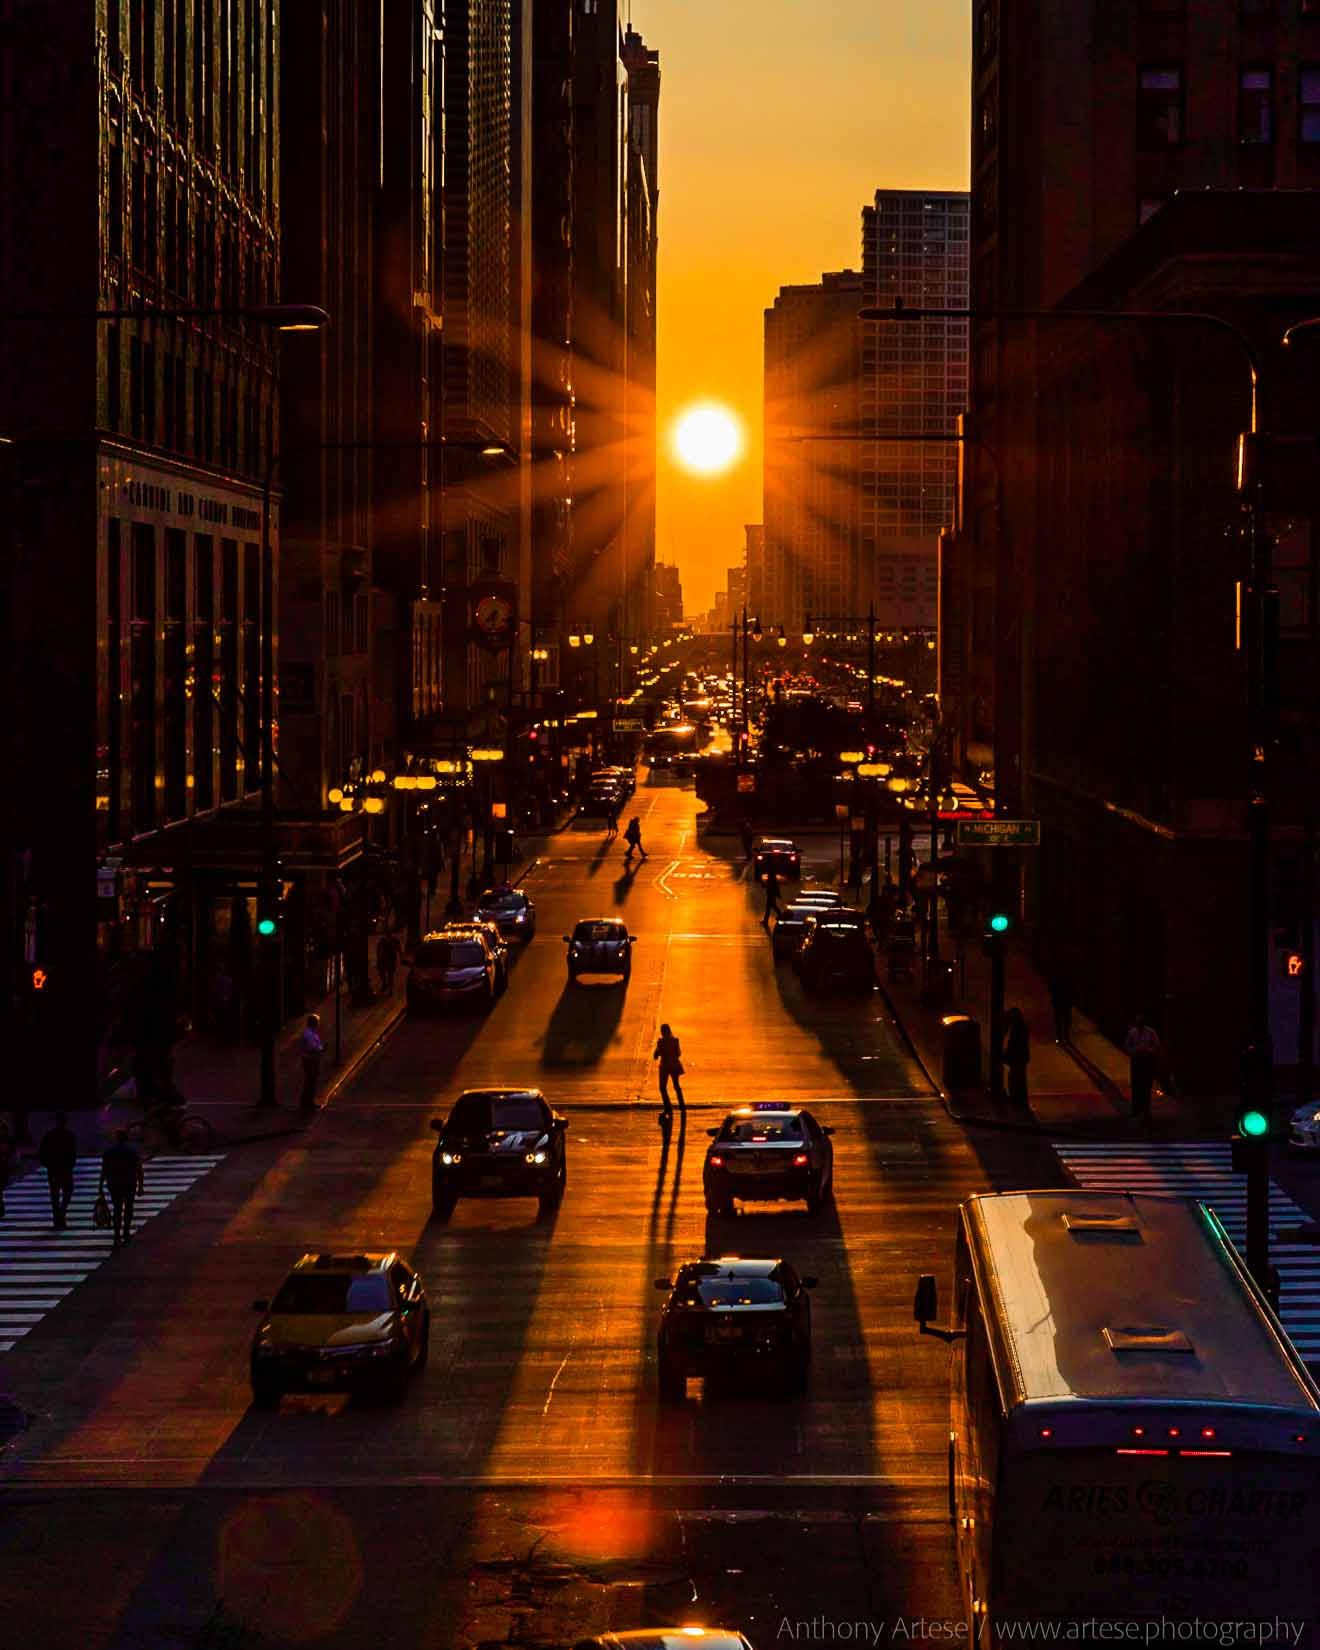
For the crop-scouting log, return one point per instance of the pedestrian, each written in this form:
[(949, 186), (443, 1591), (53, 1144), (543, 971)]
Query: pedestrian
[(1061, 1001), (387, 961), (748, 839), (122, 1178), (6, 1163), (611, 821), (57, 1154), (1142, 1045), (771, 897), (1017, 1055), (633, 837), (312, 1048), (670, 1055)]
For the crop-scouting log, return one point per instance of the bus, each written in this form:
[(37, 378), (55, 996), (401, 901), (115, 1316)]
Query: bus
[(1133, 1438)]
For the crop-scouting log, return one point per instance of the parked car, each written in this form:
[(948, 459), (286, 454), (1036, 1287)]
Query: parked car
[(790, 930), (494, 938), (835, 954), (600, 945), (733, 1315), (498, 1143), (510, 910), (453, 966), (768, 1153), (777, 854), (623, 779), (355, 1323), (601, 800)]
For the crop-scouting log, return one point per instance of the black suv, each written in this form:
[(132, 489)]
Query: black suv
[(498, 1143), (734, 1315), (768, 1153)]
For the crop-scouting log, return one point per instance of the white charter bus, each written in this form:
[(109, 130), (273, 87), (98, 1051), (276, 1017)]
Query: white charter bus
[(1133, 1437)]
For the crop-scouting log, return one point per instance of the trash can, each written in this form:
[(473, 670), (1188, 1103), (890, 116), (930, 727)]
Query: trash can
[(937, 992), (962, 1052)]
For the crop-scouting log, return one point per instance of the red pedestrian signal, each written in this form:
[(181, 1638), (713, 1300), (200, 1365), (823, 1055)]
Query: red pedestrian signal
[(1296, 965), (39, 978)]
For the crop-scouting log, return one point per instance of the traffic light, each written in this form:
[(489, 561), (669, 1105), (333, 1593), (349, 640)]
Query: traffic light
[(999, 923), (1251, 1140), (268, 927)]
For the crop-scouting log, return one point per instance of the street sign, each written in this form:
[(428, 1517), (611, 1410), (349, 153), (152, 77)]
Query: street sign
[(629, 724), (998, 833)]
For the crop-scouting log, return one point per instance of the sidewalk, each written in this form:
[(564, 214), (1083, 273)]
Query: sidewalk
[(1077, 1089), (220, 1082)]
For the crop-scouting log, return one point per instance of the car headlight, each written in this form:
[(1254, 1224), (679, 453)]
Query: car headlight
[(451, 1157), (536, 1157), (520, 916)]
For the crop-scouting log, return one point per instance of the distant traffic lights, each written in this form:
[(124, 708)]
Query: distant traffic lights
[(1000, 922), (267, 927)]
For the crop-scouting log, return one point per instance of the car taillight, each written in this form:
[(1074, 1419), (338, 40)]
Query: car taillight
[(800, 1160), (716, 1161)]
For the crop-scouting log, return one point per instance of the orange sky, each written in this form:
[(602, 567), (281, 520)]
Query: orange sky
[(778, 121)]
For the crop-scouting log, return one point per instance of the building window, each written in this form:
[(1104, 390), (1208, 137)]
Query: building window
[(1256, 106), (1309, 101), (1159, 106)]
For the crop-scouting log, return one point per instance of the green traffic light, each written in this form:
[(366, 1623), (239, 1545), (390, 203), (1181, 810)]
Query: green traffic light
[(1253, 1124), (266, 927), (999, 923)]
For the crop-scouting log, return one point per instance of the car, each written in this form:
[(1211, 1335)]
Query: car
[(1304, 1131), (600, 945), (835, 954), (511, 912), (499, 1143), (790, 930), (622, 779), (487, 926), (356, 1323), (453, 966), (733, 1314), (818, 898), (768, 1153), (777, 854), (668, 1638), (601, 801)]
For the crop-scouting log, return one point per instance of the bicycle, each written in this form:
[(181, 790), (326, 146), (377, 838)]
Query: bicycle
[(181, 1130)]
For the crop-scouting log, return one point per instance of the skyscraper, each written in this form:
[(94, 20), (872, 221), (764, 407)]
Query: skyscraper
[(810, 562), (139, 171), (914, 248)]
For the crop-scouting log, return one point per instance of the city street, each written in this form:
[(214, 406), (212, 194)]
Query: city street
[(528, 1489)]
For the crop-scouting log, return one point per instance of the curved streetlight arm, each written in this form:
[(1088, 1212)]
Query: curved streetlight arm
[(1312, 322), (1129, 317)]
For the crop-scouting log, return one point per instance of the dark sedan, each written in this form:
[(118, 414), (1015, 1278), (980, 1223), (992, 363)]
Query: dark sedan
[(836, 954), (600, 945), (730, 1316), (790, 930), (769, 1153), (777, 854), (498, 1143), (510, 910)]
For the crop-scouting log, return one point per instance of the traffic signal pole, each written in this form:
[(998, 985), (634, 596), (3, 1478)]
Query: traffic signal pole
[(994, 945)]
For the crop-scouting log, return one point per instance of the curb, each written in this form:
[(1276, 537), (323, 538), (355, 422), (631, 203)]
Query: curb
[(1005, 1125), (365, 1053)]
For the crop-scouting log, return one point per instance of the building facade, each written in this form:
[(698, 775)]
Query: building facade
[(140, 170), (1135, 157), (643, 205), (812, 558), (914, 248)]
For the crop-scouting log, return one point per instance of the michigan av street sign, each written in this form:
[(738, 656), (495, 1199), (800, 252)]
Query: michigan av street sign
[(998, 833)]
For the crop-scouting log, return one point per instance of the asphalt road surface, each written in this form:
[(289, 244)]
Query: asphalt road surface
[(529, 1489)]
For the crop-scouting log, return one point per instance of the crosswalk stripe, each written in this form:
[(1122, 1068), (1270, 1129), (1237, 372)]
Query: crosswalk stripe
[(1205, 1171), (40, 1267)]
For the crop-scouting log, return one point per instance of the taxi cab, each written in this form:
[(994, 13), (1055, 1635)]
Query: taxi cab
[(355, 1323)]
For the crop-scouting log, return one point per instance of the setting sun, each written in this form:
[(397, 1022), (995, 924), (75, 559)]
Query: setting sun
[(708, 439)]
